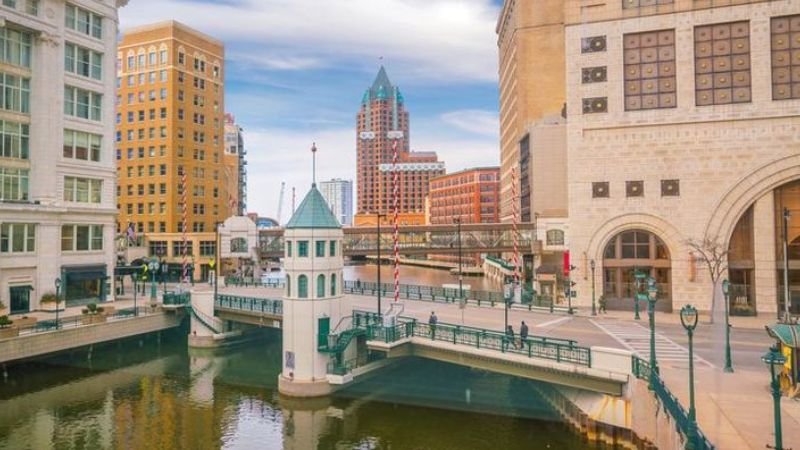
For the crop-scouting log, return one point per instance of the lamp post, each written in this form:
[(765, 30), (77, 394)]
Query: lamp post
[(726, 286), (58, 297), (153, 265), (592, 266), (457, 221), (640, 278), (508, 292), (135, 277), (773, 358), (689, 322), (652, 297), (786, 297)]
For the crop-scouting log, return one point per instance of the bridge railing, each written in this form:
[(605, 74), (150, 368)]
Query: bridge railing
[(421, 292), (176, 298), (559, 350), (641, 369), (254, 282), (252, 304)]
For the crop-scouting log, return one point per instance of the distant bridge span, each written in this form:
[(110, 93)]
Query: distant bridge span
[(418, 239)]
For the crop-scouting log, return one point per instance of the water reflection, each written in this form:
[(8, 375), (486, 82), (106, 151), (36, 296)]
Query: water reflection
[(169, 398)]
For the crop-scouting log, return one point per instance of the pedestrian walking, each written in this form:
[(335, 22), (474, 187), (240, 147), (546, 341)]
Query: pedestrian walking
[(603, 305), (510, 336), (523, 334), (432, 321)]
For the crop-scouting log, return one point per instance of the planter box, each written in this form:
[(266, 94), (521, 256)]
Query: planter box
[(51, 306), (88, 319), (9, 332), (108, 311)]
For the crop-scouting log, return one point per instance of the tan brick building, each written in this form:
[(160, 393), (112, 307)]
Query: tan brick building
[(683, 124), (170, 120)]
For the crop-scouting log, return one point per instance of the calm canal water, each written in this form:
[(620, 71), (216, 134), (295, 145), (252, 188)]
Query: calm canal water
[(416, 275), (142, 395)]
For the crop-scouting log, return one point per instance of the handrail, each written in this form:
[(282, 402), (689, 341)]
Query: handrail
[(254, 304), (212, 323), (422, 292), (641, 369), (533, 347), (49, 325)]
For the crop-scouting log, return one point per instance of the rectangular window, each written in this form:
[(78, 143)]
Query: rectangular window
[(82, 190), (14, 184), (593, 44), (595, 105), (589, 75), (634, 188), (332, 251), (82, 145), (670, 188), (649, 60), (178, 248), (600, 189), (32, 7), (207, 248), (288, 249), (81, 238), (83, 61), (785, 33), (15, 47), (722, 63), (17, 238), (320, 253), (83, 21), (15, 93), (14, 139), (302, 249), (82, 103)]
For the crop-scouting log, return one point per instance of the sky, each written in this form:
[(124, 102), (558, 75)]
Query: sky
[(296, 71)]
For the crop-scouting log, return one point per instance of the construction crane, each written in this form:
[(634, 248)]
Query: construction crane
[(280, 202)]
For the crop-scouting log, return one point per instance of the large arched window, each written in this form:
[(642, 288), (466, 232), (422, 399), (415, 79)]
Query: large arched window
[(629, 253), (288, 285), (320, 286), (302, 286), (333, 283)]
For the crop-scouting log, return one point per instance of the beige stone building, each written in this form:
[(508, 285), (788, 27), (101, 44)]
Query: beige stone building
[(683, 124)]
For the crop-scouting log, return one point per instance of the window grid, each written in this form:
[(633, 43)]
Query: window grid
[(78, 238), (649, 60), (722, 63), (82, 190), (82, 145), (17, 238), (82, 103), (15, 47), (14, 184), (83, 21), (14, 139), (785, 33), (83, 61)]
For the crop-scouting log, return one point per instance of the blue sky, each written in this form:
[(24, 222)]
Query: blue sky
[(296, 71)]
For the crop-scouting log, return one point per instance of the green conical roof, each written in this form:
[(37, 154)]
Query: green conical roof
[(381, 86), (313, 212)]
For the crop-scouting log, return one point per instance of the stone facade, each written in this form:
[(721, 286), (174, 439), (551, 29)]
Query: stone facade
[(70, 187), (725, 157)]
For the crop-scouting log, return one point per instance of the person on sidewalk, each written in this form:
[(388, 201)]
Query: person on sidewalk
[(432, 320), (523, 334), (510, 336), (603, 305)]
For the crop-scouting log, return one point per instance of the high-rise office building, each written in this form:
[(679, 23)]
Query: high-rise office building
[(171, 127), (57, 163), (382, 124), (339, 195), (235, 164)]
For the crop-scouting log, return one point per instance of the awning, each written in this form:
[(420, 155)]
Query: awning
[(789, 335)]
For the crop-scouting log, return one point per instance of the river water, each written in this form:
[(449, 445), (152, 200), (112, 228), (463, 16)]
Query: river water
[(146, 394), (416, 275)]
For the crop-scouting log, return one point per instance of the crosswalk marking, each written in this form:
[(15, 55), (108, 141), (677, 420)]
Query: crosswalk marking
[(636, 338)]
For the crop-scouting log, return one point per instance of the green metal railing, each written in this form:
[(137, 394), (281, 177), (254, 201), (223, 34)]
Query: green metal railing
[(253, 282), (176, 298), (641, 369), (252, 304), (43, 326), (336, 367), (559, 350), (420, 292)]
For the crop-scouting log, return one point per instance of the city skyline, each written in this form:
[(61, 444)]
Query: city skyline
[(286, 95)]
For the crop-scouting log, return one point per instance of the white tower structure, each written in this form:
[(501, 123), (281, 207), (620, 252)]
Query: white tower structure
[(312, 303)]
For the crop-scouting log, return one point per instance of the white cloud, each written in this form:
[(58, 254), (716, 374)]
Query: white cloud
[(451, 40), (476, 121)]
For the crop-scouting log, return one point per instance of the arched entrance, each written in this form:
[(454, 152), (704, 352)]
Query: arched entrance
[(626, 254)]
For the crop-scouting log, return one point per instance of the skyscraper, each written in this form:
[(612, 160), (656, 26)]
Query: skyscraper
[(381, 124), (56, 152), (339, 195)]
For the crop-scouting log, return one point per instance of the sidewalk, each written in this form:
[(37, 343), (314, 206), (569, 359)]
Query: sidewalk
[(753, 322)]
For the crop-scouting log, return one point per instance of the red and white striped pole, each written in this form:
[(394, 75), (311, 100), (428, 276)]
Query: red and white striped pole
[(185, 261), (514, 223), (396, 195)]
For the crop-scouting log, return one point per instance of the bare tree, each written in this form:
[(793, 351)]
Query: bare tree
[(714, 256)]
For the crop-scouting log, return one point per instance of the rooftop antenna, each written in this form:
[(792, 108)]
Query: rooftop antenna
[(313, 164)]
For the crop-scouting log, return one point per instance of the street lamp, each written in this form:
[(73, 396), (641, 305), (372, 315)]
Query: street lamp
[(726, 286), (508, 292), (153, 266), (652, 297), (786, 297), (594, 310), (457, 221), (58, 297), (689, 322), (773, 358), (640, 278)]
